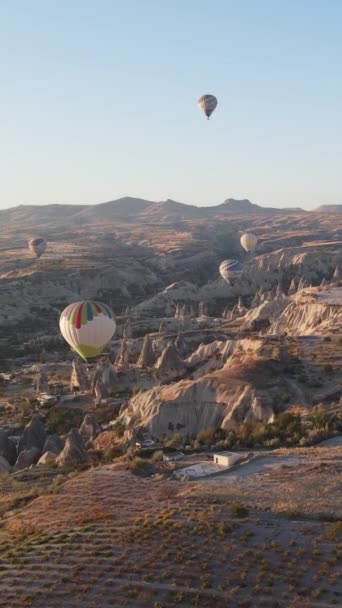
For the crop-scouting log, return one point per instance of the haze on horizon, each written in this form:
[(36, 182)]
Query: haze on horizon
[(99, 102)]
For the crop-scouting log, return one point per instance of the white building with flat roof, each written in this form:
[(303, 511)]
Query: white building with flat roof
[(226, 459)]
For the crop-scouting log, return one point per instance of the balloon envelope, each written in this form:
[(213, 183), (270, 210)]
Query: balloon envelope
[(207, 103), (87, 327), (230, 270), (38, 246), (249, 241)]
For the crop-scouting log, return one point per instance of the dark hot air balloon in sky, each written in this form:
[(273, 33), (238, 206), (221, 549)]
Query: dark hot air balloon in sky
[(37, 246), (207, 103)]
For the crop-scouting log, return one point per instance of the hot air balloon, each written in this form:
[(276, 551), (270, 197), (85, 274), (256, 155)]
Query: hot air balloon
[(207, 104), (230, 270), (249, 241), (87, 327), (37, 246)]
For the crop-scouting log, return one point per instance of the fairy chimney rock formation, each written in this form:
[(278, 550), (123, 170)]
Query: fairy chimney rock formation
[(162, 327), (180, 344), (109, 378), (202, 309), (42, 385), (279, 293), (105, 377), (121, 361), (147, 357), (89, 428), (100, 392), (240, 306), (293, 288), (79, 378), (337, 276), (170, 364), (128, 330), (256, 300)]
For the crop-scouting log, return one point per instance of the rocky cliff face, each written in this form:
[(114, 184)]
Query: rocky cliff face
[(311, 312), (246, 387), (46, 293)]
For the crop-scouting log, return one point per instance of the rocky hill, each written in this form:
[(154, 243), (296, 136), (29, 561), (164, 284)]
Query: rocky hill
[(329, 209), (151, 257), (131, 209)]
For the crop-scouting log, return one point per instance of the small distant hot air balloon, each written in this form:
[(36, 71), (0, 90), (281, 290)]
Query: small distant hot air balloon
[(249, 242), (230, 270), (37, 245), (207, 103), (87, 327)]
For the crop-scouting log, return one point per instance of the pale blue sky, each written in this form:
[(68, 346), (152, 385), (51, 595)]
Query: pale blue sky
[(98, 101)]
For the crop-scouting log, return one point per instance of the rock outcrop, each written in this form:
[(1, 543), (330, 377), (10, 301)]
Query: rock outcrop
[(42, 385), (8, 450), (170, 365), (47, 458), (121, 361), (104, 377), (337, 276), (53, 443), (263, 315), (5, 466), (27, 457), (163, 327), (247, 387), (293, 288), (147, 356), (89, 428), (311, 311), (128, 330), (100, 393), (169, 301), (79, 378), (34, 436), (74, 451)]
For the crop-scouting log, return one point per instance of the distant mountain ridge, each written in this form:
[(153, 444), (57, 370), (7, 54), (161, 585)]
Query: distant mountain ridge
[(140, 210), (329, 209)]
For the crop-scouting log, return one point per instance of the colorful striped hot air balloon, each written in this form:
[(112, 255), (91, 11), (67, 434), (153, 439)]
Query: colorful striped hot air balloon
[(249, 242), (87, 327), (207, 103), (230, 270), (37, 245)]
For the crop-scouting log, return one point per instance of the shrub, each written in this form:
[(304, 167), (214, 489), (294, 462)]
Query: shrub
[(318, 417), (118, 429), (238, 510), (333, 530), (328, 368), (157, 456), (62, 421), (273, 443), (141, 466), (175, 441), (206, 436), (56, 422)]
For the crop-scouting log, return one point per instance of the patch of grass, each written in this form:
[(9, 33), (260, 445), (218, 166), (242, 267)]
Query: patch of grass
[(141, 466), (333, 530), (238, 510)]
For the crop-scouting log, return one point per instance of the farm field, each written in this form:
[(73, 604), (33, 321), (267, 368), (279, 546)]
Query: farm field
[(108, 537)]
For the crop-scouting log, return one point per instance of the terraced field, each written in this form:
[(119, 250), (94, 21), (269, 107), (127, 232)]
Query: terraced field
[(111, 539)]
